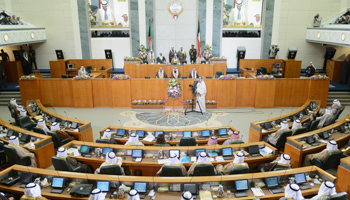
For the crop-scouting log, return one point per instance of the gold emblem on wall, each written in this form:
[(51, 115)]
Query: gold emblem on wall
[(175, 8)]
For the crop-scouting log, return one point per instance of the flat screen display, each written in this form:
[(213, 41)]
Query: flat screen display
[(136, 153), (176, 152), (121, 132), (227, 151), (241, 184), (84, 149), (10, 133), (222, 131), (103, 186), (199, 150), (106, 150), (140, 133), (57, 182), (158, 133), (192, 187), (25, 178), (271, 182), (205, 133), (53, 119), (187, 134), (300, 178), (74, 125), (141, 187)]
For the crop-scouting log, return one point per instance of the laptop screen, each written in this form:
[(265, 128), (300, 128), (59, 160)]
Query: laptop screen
[(241, 184), (25, 178), (222, 131), (137, 153), (325, 134), (120, 132), (192, 187), (74, 125), (158, 133), (140, 133), (271, 182), (53, 119), (141, 187), (10, 133), (227, 151), (57, 182), (103, 186), (187, 134), (84, 149), (205, 133), (300, 178), (253, 149), (106, 150), (199, 150)]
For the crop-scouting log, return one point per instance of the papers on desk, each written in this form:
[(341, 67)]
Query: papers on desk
[(211, 159), (322, 141), (193, 158), (76, 152), (75, 130), (2, 135), (163, 161), (138, 159), (205, 195), (149, 138), (258, 192), (185, 159), (263, 130), (266, 150), (219, 159)]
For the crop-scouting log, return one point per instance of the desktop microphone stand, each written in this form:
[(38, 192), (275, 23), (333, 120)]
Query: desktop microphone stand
[(192, 110)]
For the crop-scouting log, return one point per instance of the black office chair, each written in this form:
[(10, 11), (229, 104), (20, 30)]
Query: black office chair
[(330, 121), (105, 141), (61, 164), (88, 69), (237, 142), (218, 74), (240, 170), (339, 112), (26, 123), (164, 145), (57, 142), (187, 141), (300, 131), (331, 162), (13, 158), (168, 171), (9, 107), (204, 170), (64, 76), (314, 125), (282, 139), (263, 70), (112, 170), (339, 196), (2, 153), (39, 130)]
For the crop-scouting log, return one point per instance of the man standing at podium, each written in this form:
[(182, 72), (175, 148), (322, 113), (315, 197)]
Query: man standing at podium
[(181, 55), (193, 54), (201, 92)]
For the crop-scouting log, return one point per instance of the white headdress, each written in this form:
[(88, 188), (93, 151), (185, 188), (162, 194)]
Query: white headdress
[(284, 125), (293, 191), (19, 108), (41, 122), (133, 195), (32, 190), (133, 138), (332, 146), (296, 124), (202, 158), (110, 158), (23, 112), (107, 133), (327, 188), (239, 157), (285, 159), (13, 140), (173, 160), (187, 195), (13, 102), (336, 102), (97, 194), (62, 152), (55, 126)]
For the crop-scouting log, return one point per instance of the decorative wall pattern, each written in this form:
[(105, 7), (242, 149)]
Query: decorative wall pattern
[(21, 36), (329, 36)]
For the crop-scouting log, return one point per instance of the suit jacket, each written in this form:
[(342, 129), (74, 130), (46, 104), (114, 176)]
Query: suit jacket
[(308, 124), (171, 54), (160, 60)]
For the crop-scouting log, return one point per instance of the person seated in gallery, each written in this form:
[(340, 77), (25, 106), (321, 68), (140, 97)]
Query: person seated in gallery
[(282, 162), (327, 117), (82, 71), (273, 138), (174, 161), (72, 162), (22, 113), (62, 134), (175, 73), (308, 123), (161, 73), (22, 152), (111, 159), (296, 125), (235, 136), (292, 192), (202, 159), (310, 70), (212, 141), (133, 195), (134, 140), (107, 134), (175, 60), (32, 191), (336, 104), (238, 162), (193, 74), (161, 59), (42, 124), (327, 189), (331, 147)]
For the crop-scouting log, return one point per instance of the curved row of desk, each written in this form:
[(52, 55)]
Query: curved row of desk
[(171, 183), (43, 146), (80, 129), (177, 134), (256, 131), (297, 148), (149, 164)]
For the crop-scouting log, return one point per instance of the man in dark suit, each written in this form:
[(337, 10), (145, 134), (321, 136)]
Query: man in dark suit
[(308, 124)]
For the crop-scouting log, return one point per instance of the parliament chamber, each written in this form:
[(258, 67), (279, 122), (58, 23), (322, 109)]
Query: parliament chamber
[(174, 99)]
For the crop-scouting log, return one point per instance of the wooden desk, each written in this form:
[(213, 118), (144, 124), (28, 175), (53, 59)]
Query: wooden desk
[(292, 68), (342, 183), (333, 69), (258, 63), (245, 73), (178, 132), (43, 149), (84, 130), (58, 68), (150, 166), (13, 70), (226, 181), (256, 132), (295, 149)]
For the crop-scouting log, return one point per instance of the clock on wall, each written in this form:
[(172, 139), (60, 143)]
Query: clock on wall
[(318, 35), (32, 35), (343, 37), (6, 37)]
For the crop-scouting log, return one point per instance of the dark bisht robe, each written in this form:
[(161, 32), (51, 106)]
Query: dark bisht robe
[(344, 76), (3, 83)]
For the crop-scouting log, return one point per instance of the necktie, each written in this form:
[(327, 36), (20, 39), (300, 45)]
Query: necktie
[(106, 16), (239, 15)]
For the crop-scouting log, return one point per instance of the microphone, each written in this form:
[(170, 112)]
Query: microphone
[(269, 116), (229, 123), (54, 110), (239, 148), (120, 123), (66, 113), (281, 112)]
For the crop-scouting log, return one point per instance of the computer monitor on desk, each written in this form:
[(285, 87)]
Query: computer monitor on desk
[(140, 133), (120, 133), (187, 133), (103, 186), (106, 150), (57, 185), (158, 133), (141, 188), (205, 133), (241, 186)]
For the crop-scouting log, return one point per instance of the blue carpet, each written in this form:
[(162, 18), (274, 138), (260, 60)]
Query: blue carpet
[(13, 86), (339, 87)]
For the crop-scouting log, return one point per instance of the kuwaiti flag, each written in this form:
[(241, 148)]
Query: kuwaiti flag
[(150, 37), (199, 38)]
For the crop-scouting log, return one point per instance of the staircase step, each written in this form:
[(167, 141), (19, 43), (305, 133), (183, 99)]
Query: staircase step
[(10, 93), (9, 96)]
